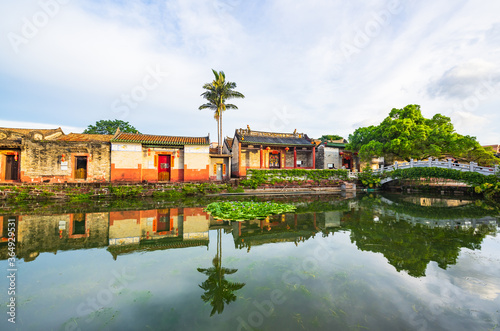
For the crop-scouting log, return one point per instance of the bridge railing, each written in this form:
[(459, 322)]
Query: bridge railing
[(472, 166)]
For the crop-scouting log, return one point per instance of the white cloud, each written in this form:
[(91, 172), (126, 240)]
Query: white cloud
[(281, 54)]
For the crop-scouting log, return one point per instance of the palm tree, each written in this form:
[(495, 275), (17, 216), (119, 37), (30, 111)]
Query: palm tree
[(218, 290), (216, 94)]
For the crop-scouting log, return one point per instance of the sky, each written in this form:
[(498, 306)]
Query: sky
[(318, 66)]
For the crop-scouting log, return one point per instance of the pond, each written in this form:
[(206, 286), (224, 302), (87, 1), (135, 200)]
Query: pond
[(376, 262)]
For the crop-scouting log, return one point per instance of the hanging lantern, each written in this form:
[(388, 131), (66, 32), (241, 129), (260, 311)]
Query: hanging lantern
[(149, 151), (62, 157), (15, 156), (287, 149), (178, 153), (268, 148)]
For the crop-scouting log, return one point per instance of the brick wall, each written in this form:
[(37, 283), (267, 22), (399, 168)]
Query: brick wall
[(42, 161)]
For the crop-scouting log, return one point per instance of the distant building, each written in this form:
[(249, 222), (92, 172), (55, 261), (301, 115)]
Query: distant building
[(269, 150), (144, 157), (331, 154), (494, 148), (50, 156)]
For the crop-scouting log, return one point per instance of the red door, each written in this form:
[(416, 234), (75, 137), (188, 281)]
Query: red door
[(164, 167)]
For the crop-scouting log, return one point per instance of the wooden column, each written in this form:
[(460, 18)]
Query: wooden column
[(239, 159), (295, 157), (314, 157), (261, 157)]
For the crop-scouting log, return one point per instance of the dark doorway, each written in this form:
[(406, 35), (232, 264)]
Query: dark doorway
[(78, 223), (11, 168), (80, 167)]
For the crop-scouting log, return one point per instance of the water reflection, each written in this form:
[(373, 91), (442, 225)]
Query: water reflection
[(409, 231), (218, 290), (377, 262)]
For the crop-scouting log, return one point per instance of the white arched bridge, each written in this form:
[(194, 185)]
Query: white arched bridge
[(448, 164)]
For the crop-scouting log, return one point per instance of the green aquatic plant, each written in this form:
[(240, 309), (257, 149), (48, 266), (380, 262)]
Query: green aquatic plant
[(246, 210)]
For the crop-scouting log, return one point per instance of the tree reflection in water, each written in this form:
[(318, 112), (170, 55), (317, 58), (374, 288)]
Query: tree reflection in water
[(218, 290)]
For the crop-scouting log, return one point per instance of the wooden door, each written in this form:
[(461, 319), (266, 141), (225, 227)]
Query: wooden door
[(274, 160), (164, 167), (163, 222), (219, 171), (11, 168), (80, 167)]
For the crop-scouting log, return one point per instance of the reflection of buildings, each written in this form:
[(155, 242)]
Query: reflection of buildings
[(141, 230), (436, 202), (123, 231), (294, 228), (52, 233)]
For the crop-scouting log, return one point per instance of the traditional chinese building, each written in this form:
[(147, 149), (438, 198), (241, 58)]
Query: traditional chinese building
[(145, 157), (220, 164), (50, 156), (270, 150), (331, 154), (494, 148)]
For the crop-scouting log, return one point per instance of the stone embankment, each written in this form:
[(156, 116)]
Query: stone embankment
[(19, 193)]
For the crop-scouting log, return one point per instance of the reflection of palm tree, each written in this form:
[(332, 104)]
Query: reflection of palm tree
[(218, 290)]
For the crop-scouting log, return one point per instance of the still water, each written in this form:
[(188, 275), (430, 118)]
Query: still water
[(374, 262)]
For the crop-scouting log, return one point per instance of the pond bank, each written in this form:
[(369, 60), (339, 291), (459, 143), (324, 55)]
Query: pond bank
[(78, 192)]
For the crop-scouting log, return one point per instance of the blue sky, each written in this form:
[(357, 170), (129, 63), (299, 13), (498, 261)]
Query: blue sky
[(321, 67)]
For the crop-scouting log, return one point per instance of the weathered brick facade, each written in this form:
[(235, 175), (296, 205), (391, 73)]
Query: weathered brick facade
[(50, 156), (55, 161), (38, 233)]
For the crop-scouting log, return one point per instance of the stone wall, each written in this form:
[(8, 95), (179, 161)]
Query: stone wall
[(328, 155), (42, 161), (234, 158)]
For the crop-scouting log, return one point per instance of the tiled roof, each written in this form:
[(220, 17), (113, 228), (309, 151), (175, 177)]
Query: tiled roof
[(229, 142), (160, 140), (273, 138), (45, 132), (332, 144), (86, 137)]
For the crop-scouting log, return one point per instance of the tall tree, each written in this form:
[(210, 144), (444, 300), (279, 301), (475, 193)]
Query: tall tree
[(217, 93), (218, 290), (406, 134), (109, 127)]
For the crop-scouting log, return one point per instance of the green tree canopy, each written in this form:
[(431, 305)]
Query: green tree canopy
[(217, 93), (405, 134), (109, 127), (326, 137)]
